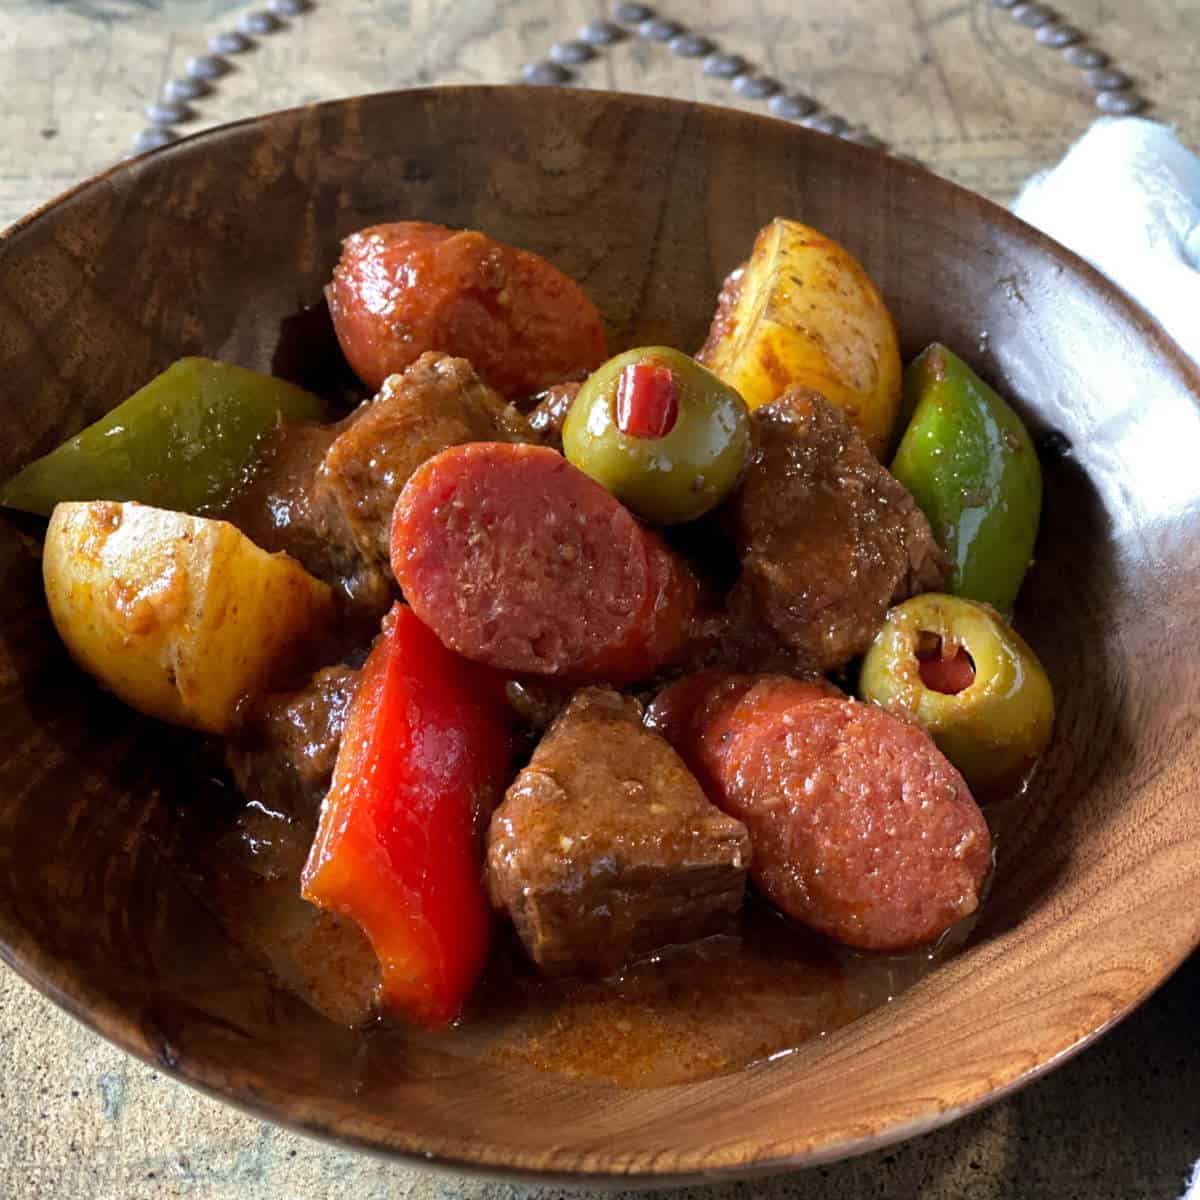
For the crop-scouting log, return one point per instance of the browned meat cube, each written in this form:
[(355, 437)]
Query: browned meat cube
[(438, 402), (548, 414), (606, 848), (284, 754), (284, 509), (828, 539), (536, 703)]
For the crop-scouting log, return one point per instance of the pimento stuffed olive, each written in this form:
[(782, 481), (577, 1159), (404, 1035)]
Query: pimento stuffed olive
[(970, 679), (660, 432)]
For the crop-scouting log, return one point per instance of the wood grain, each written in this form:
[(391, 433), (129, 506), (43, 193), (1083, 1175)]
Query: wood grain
[(209, 246)]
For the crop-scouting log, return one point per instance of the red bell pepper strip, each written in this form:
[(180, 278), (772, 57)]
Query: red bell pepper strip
[(397, 849)]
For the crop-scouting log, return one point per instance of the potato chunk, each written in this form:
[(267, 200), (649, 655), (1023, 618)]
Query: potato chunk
[(803, 312), (179, 616)]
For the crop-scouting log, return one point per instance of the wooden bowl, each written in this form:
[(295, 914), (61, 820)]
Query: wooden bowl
[(210, 245)]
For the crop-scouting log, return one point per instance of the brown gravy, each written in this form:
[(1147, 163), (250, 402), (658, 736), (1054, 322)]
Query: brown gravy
[(689, 1013)]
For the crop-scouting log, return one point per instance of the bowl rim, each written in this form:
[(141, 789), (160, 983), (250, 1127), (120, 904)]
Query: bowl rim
[(112, 1022)]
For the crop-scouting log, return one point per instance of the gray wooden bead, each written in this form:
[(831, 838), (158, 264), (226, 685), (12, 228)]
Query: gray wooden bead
[(755, 87), (601, 33), (260, 22), (792, 105), (288, 8), (187, 88), (862, 138), (1106, 79), (207, 66), (690, 45), (1058, 35), (725, 66), (1085, 57), (633, 14), (1119, 104), (168, 114), (571, 54), (658, 30), (1031, 15), (153, 137), (230, 42), (827, 123), (545, 74)]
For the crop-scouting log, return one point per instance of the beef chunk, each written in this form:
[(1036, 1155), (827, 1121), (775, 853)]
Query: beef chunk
[(548, 414), (436, 403), (283, 760), (283, 508), (605, 847), (536, 703), (284, 754), (828, 539)]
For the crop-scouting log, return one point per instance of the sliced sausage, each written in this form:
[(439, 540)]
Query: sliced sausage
[(707, 715), (861, 828), (517, 559), (410, 286), (437, 402)]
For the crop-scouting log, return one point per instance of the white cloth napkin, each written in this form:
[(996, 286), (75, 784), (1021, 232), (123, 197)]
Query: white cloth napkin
[(1127, 198)]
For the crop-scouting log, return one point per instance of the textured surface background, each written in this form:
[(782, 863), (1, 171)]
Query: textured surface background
[(958, 84)]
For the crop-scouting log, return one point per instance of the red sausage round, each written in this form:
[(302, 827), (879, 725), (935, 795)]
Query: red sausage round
[(707, 715), (860, 826), (517, 559), (410, 286)]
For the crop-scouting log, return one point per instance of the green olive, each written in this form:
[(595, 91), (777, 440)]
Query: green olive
[(679, 475), (997, 713)]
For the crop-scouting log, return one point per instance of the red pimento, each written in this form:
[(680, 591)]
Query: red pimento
[(647, 400), (948, 675), (424, 756)]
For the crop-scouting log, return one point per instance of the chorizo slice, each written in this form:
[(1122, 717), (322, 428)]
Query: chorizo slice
[(406, 287), (437, 402), (517, 559), (706, 716), (861, 829)]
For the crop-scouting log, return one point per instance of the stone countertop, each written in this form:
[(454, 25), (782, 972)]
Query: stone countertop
[(81, 1120), (964, 85)]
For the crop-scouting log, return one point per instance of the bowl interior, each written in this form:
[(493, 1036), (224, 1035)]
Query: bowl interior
[(213, 246)]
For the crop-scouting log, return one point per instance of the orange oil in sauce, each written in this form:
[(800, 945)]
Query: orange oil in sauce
[(687, 1013)]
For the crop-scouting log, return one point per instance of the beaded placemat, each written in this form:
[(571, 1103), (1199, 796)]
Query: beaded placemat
[(567, 61)]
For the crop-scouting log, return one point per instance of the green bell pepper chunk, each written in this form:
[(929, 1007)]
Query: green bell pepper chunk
[(971, 466), (183, 442)]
